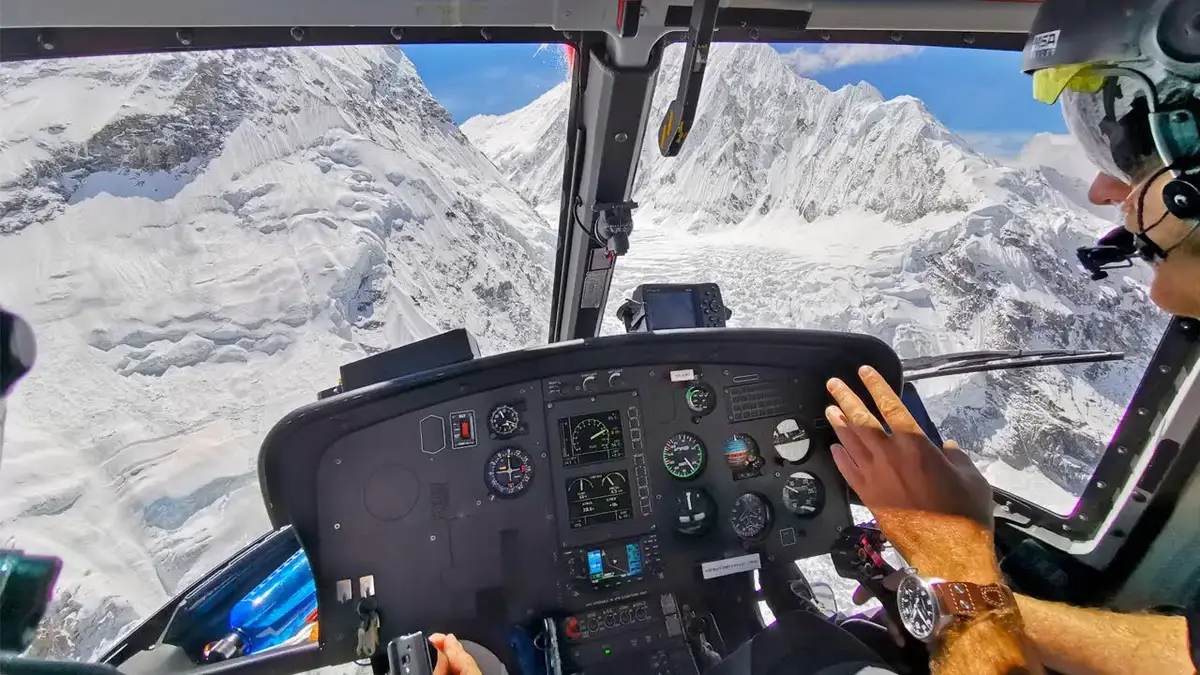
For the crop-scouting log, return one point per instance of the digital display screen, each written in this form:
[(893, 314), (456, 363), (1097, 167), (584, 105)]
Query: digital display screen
[(614, 563), (599, 498), (670, 309), (592, 438)]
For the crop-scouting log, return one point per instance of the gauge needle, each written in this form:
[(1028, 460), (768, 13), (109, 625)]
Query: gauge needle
[(691, 467), (790, 489), (598, 434)]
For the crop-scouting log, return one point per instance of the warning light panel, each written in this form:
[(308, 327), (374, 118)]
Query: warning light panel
[(462, 430)]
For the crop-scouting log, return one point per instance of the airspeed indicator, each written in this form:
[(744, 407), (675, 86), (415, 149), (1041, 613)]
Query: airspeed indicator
[(683, 456)]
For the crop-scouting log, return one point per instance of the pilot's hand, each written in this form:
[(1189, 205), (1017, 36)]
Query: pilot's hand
[(452, 659), (930, 502)]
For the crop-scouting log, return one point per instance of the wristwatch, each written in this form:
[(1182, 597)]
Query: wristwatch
[(928, 606)]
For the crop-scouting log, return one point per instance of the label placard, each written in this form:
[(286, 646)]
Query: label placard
[(737, 565)]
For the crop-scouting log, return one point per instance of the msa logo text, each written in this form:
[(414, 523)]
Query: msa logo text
[(1045, 44)]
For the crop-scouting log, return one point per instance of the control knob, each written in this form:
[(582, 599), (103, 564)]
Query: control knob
[(614, 379), (588, 383), (571, 628)]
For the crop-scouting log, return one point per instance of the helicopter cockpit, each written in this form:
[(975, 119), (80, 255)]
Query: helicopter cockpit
[(600, 504)]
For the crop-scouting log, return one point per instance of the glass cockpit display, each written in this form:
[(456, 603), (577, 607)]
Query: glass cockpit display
[(614, 563), (599, 498), (592, 438)]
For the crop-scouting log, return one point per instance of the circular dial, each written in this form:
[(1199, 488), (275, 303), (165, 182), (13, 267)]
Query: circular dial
[(699, 398), (590, 435), (695, 513), (918, 608), (509, 472), (504, 420), (683, 455), (751, 516), (803, 494)]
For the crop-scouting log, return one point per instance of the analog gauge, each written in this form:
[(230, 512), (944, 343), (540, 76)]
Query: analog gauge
[(590, 435), (700, 398), (803, 494), (504, 420), (683, 456), (751, 516), (695, 513), (509, 472)]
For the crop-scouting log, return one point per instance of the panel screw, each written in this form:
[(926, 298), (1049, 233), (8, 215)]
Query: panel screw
[(46, 41), (184, 36), (337, 526), (897, 36), (1142, 411), (486, 34), (549, 406), (397, 33), (478, 502), (543, 455), (725, 372), (549, 516), (1164, 368), (826, 36), (839, 528), (337, 461), (753, 34), (298, 34), (969, 38), (1083, 517), (1121, 450), (1065, 527), (621, 137), (777, 474), (634, 394), (433, 537), (1101, 484), (593, 399)]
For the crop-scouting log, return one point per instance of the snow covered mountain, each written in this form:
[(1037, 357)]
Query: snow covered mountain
[(841, 210), (200, 240)]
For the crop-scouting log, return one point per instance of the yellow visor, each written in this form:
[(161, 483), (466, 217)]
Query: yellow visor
[(1050, 83)]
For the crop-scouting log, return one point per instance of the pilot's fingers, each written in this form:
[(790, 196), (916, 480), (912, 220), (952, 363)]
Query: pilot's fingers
[(442, 667), (847, 466), (894, 412), (850, 437), (955, 453), (855, 412), (461, 663)]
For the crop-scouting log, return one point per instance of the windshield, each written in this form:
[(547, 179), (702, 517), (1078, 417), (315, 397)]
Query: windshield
[(847, 189), (200, 240)]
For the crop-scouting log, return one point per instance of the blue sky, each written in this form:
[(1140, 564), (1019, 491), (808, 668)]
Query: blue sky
[(981, 95)]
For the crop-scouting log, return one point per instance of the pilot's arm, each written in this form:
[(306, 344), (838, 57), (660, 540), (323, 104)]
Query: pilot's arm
[(936, 508), (1075, 641)]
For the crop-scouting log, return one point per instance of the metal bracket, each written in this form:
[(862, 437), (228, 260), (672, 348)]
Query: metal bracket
[(679, 116), (614, 224)]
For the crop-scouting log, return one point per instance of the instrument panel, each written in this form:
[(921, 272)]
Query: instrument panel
[(576, 492)]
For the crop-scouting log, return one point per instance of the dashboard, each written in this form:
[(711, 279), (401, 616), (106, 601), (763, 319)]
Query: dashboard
[(602, 483)]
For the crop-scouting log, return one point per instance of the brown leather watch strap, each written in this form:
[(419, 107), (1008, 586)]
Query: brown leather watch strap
[(969, 600)]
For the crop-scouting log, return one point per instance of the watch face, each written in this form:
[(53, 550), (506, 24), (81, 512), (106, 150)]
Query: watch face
[(918, 607)]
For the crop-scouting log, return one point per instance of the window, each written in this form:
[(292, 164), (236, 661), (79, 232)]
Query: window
[(917, 195), (200, 240)]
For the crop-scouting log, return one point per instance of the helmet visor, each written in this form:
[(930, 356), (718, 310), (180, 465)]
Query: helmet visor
[(1109, 116)]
